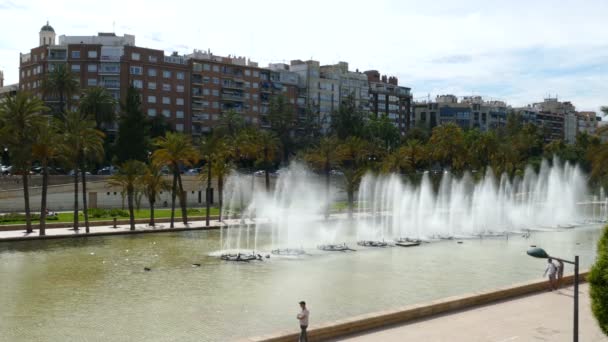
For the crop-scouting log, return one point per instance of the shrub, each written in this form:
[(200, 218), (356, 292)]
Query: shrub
[(98, 213), (598, 280)]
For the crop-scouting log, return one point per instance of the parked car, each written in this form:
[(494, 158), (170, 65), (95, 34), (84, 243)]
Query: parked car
[(71, 173), (7, 169), (259, 173), (107, 170), (193, 172)]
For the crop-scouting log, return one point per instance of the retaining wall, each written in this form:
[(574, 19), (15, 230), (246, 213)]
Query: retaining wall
[(382, 319)]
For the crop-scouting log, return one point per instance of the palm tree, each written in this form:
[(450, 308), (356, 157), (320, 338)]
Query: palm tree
[(324, 157), (46, 149), (19, 121), (447, 146), (231, 123), (217, 152), (353, 154), (267, 146), (175, 150), (62, 83), (127, 179), (153, 183), (81, 142), (98, 103)]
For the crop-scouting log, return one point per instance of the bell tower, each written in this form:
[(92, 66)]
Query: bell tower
[(47, 35)]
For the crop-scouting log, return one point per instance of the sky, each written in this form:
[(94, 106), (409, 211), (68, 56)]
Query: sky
[(518, 51)]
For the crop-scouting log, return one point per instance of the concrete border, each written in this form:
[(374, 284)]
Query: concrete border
[(97, 223), (387, 318)]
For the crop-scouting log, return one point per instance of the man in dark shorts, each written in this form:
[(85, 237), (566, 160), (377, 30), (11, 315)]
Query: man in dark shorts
[(552, 271), (303, 318)]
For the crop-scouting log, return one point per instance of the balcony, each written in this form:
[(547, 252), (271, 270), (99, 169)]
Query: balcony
[(232, 97), (107, 58), (57, 56), (110, 84), (233, 85), (200, 118)]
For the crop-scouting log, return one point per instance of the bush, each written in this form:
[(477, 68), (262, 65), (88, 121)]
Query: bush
[(12, 217), (98, 213), (598, 280)]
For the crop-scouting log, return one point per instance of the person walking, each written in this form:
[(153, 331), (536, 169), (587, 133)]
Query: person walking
[(303, 318), (552, 271), (560, 273)]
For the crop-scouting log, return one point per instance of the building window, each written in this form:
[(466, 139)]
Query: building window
[(166, 100), (92, 53), (205, 91), (138, 84), (91, 82), (179, 127), (216, 80), (166, 73), (255, 85), (75, 67), (216, 68), (152, 72), (152, 85), (166, 113), (152, 59), (135, 56), (180, 75), (180, 88), (247, 72), (206, 67), (136, 70), (151, 99), (216, 105), (256, 74), (166, 87), (179, 101), (179, 114), (151, 112), (215, 92), (206, 79), (92, 67), (75, 54)]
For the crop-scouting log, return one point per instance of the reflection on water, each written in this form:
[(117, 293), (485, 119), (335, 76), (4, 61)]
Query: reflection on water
[(66, 290)]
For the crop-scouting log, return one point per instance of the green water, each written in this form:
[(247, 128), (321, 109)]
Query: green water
[(95, 289)]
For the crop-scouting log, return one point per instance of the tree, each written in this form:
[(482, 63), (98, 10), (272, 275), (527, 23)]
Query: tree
[(406, 159), (133, 127), (267, 146), (20, 119), (447, 146), (231, 123), (62, 83), (308, 130), (282, 123), (159, 126), (153, 183), (97, 103), (353, 154), (382, 133), (323, 158), (46, 149), (217, 152), (348, 120), (175, 150), (127, 178), (481, 148), (598, 283), (81, 142)]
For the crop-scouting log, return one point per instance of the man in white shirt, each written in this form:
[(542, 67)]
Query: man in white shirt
[(303, 318), (552, 271)]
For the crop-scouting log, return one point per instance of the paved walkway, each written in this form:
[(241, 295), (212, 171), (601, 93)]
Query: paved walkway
[(541, 317), (110, 230)]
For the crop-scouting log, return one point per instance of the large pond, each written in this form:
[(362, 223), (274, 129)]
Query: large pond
[(96, 289)]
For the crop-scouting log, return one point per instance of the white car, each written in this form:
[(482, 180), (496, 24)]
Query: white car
[(192, 172)]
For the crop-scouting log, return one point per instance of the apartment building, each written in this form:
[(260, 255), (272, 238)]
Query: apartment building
[(220, 84), (386, 97), (587, 122), (115, 63), (470, 112)]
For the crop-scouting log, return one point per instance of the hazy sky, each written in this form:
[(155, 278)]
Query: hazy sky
[(514, 50)]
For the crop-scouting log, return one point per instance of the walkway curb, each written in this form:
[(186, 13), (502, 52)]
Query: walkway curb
[(387, 318)]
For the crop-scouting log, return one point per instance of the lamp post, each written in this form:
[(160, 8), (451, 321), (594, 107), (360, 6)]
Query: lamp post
[(540, 253)]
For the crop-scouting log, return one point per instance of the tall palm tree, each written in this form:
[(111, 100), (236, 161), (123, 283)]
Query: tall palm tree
[(175, 150), (99, 104), (218, 153), (266, 145), (127, 178), (231, 123), (447, 146), (81, 142), (323, 158), (353, 154), (60, 82), (20, 118), (153, 183), (46, 149)]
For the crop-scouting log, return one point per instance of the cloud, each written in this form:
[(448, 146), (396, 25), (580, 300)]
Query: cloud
[(453, 59), (11, 5)]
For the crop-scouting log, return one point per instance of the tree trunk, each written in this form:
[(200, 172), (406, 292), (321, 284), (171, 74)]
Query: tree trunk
[(151, 214), (45, 184), (266, 167), (182, 199), (75, 200), (130, 204), (173, 193), (220, 193), (208, 194), (84, 200), (26, 198), (351, 202), (327, 183)]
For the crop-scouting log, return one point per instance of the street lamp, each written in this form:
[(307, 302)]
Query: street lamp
[(540, 253)]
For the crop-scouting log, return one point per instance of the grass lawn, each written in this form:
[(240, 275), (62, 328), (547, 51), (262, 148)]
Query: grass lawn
[(139, 214)]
